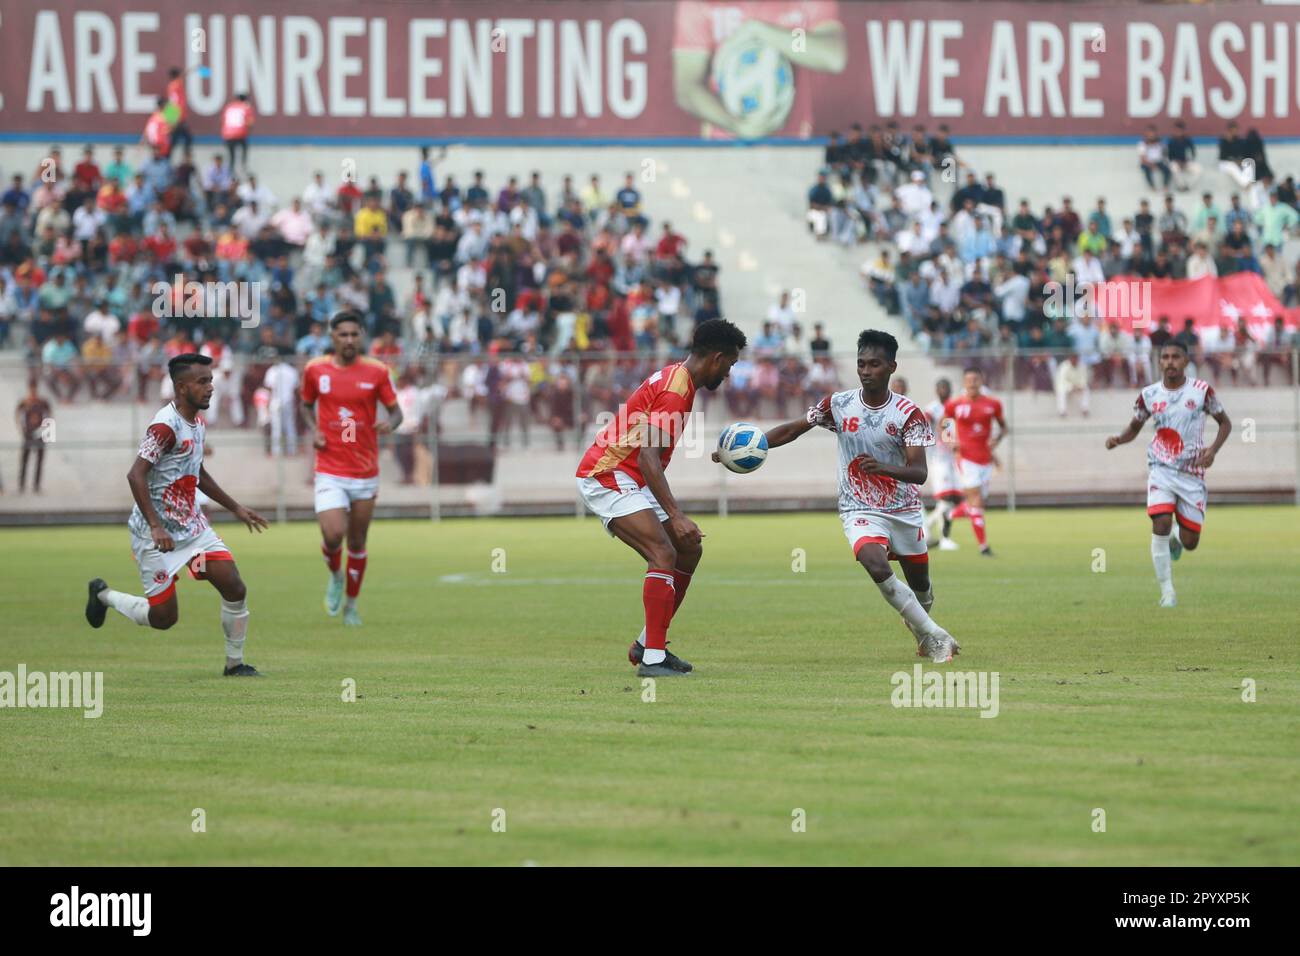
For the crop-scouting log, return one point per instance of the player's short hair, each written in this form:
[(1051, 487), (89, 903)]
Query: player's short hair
[(346, 316), (717, 335), (186, 360), (944, 382), (1176, 344), (971, 369), (875, 339)]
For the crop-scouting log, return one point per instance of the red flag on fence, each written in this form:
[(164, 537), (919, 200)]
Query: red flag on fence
[(1210, 302)]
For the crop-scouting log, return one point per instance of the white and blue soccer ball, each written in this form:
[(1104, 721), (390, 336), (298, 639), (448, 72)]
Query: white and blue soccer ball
[(754, 80), (742, 447)]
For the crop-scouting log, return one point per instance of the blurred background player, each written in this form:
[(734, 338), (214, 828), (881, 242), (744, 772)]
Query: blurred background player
[(169, 530), (1176, 458), (629, 492), (341, 393), (943, 471), (882, 441), (971, 415)]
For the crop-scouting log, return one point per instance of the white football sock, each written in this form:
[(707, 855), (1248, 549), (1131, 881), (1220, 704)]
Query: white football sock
[(925, 599), (1160, 558), (902, 599), (133, 607), (653, 656), (234, 624), (640, 638)]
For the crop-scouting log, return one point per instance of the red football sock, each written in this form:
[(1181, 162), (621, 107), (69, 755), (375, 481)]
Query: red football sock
[(961, 511), (658, 596), (977, 523), (332, 558), (356, 571), (681, 581)]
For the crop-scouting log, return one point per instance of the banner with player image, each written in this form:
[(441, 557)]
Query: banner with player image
[(692, 70)]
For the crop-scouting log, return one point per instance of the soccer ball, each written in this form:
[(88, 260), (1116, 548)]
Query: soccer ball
[(754, 80), (742, 447)]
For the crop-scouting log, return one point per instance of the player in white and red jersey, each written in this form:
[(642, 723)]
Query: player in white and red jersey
[(1176, 459), (944, 485), (882, 441), (971, 416), (621, 479), (341, 393), (169, 530)]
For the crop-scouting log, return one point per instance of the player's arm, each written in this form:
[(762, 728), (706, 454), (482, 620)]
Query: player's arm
[(913, 471), (1225, 429), (679, 526), (209, 486), (785, 433), (138, 480), (394, 419), (691, 89), (1003, 430), (1126, 436), (1140, 414)]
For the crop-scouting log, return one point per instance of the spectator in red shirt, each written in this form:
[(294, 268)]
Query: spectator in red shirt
[(179, 107), (161, 245), (670, 243), (236, 120), (157, 131), (122, 249), (86, 178)]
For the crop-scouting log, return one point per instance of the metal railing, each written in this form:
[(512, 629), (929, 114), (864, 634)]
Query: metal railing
[(504, 433)]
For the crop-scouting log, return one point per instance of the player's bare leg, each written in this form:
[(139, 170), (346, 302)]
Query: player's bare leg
[(688, 559), (1161, 528), (642, 532), (973, 508), (932, 639), (358, 527), (133, 607), (333, 528), (224, 576)]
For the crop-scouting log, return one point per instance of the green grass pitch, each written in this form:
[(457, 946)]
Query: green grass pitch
[(482, 690)]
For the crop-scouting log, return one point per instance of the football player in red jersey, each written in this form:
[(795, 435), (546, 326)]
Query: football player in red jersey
[(341, 393), (1176, 459), (971, 416), (627, 490)]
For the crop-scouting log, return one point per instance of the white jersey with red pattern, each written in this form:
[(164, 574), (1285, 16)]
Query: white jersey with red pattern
[(1179, 421), (174, 447), (882, 433), (942, 451)]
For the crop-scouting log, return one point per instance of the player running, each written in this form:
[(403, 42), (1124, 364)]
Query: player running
[(1176, 459), (971, 415), (340, 396), (943, 472), (882, 441), (169, 530), (628, 491)]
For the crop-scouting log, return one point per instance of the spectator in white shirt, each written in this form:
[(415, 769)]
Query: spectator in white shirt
[(914, 196), (1200, 263), (473, 244), (1012, 292), (102, 322), (782, 314), (316, 197), (249, 220), (636, 243), (282, 382), (294, 224), (1087, 270), (251, 191)]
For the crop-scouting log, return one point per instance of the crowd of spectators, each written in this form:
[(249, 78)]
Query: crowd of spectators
[(972, 277)]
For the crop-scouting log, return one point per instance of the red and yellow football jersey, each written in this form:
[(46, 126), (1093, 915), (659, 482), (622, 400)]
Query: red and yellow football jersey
[(347, 399), (663, 401)]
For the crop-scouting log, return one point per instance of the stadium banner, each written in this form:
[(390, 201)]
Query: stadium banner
[(687, 71), (1214, 303)]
